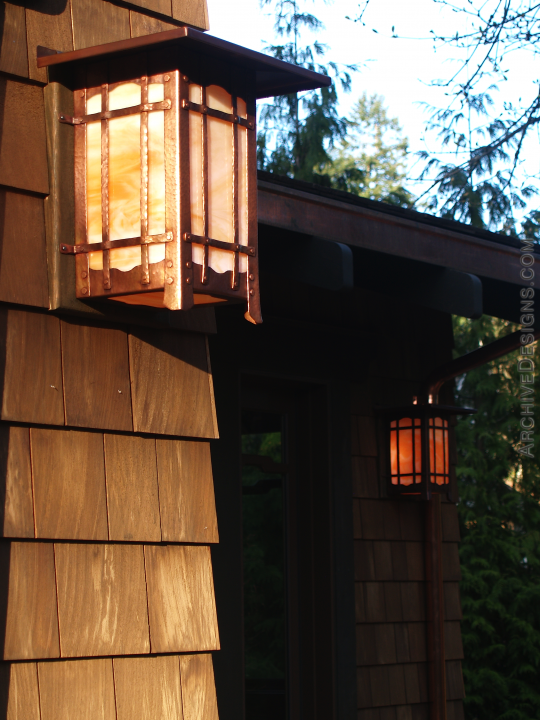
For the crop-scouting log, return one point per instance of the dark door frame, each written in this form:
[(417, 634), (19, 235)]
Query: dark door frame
[(239, 350), (309, 557)]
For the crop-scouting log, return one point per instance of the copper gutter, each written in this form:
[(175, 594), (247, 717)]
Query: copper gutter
[(496, 349)]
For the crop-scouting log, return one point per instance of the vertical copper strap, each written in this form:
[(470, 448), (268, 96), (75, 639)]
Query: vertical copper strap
[(426, 460), (145, 271), (82, 281), (204, 277), (435, 608), (253, 313), (446, 464), (105, 186), (398, 455), (236, 232), (178, 289)]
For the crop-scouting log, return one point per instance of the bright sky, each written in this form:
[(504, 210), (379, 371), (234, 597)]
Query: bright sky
[(400, 70)]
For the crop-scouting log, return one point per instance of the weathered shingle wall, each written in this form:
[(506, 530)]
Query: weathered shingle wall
[(86, 500), (391, 633)]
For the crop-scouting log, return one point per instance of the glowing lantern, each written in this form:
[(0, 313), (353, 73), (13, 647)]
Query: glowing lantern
[(416, 454), (166, 167)]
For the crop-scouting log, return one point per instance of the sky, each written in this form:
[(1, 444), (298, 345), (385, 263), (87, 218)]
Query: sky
[(399, 69)]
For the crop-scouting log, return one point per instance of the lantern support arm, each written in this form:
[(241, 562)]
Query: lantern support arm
[(481, 356)]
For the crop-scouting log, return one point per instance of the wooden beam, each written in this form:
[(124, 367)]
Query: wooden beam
[(309, 260), (393, 234)]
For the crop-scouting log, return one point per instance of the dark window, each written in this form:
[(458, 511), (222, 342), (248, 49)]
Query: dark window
[(264, 479), (288, 576)]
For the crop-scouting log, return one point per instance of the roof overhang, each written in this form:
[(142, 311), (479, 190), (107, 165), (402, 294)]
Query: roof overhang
[(401, 252), (273, 77)]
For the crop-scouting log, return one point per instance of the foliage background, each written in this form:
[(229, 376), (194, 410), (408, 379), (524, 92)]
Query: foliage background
[(499, 516)]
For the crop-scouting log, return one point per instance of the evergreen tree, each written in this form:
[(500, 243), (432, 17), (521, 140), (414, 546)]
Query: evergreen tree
[(499, 515), (484, 185), (297, 132), (371, 160)]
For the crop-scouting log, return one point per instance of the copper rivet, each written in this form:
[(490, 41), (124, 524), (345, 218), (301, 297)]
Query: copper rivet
[(104, 86), (185, 78), (188, 264), (84, 274), (82, 94), (252, 291), (188, 280), (84, 291), (169, 264), (166, 78), (251, 276), (170, 281)]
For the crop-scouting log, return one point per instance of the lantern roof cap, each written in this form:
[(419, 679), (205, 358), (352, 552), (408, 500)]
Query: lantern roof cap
[(426, 409), (273, 77)]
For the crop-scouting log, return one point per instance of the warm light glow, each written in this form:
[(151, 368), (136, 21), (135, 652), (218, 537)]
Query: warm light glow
[(438, 449), (156, 172), (406, 453), (242, 182), (220, 178), (196, 171), (93, 181), (125, 176), (212, 216)]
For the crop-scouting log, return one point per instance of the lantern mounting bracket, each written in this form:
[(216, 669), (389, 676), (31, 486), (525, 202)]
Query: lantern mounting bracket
[(210, 242), (111, 244)]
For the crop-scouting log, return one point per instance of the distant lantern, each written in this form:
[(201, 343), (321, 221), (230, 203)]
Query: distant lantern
[(416, 453), (166, 167)]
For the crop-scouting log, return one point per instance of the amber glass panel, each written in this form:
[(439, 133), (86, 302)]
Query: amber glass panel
[(242, 183), (196, 171), (438, 450), (125, 176), (405, 451), (417, 451), (219, 203), (393, 453), (220, 178), (93, 182), (446, 450), (156, 172)]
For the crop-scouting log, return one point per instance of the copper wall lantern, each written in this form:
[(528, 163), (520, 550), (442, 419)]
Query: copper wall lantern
[(165, 167), (416, 452)]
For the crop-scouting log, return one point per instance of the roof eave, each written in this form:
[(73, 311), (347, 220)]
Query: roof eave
[(273, 76)]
